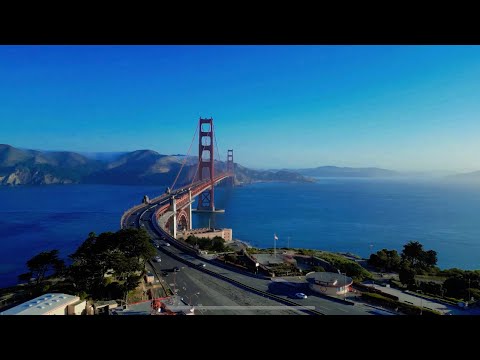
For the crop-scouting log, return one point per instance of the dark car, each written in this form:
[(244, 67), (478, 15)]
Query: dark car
[(164, 273), (176, 268)]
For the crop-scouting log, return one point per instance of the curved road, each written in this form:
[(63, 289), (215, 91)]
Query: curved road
[(199, 288)]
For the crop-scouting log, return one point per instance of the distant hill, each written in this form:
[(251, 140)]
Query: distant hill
[(334, 171), (103, 156), (19, 167), (470, 177), (142, 167)]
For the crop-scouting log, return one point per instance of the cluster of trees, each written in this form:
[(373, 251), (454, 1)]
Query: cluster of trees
[(42, 265), (123, 253), (217, 244), (387, 260), (413, 256), (462, 284), (459, 284), (414, 260)]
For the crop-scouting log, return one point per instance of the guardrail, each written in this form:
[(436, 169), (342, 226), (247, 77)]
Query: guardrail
[(184, 198), (127, 213)]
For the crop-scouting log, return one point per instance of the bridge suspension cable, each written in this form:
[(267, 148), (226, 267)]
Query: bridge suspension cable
[(195, 175), (216, 145), (186, 157)]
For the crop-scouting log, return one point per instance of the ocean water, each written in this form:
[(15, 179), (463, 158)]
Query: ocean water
[(347, 215)]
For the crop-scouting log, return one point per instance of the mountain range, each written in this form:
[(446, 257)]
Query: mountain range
[(147, 167), (142, 167), (334, 171)]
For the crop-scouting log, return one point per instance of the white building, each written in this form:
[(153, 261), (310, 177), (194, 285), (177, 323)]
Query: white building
[(329, 283), (49, 304)]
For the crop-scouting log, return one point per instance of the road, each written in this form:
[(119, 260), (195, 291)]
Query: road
[(215, 292)]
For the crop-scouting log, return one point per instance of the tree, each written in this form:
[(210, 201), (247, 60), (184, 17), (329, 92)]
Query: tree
[(135, 243), (389, 260), (407, 274), (125, 252), (25, 277), (91, 261), (429, 258), (44, 263), (412, 252), (130, 284), (456, 287), (421, 261)]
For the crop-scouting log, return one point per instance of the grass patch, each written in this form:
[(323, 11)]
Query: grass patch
[(392, 304)]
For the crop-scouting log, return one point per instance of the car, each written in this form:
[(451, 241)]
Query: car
[(157, 259), (201, 265), (164, 273), (167, 244), (300, 296), (176, 269)]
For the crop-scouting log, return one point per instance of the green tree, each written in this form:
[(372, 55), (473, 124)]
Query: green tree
[(413, 253), (456, 287), (25, 277), (125, 252), (388, 260), (429, 258), (407, 274), (136, 244), (42, 264), (91, 261)]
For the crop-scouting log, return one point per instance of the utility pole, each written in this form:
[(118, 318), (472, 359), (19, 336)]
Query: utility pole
[(274, 248), (275, 238)]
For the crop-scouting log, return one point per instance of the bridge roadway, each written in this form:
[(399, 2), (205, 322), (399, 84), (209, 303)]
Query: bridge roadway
[(202, 289)]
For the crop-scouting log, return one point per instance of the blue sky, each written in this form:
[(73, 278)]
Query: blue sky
[(397, 107)]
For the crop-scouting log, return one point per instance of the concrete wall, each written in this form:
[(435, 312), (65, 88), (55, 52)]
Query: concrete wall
[(328, 290), (207, 234), (76, 308), (314, 261)]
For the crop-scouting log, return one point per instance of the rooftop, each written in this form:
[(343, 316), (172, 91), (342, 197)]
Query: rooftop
[(328, 279), (41, 305)]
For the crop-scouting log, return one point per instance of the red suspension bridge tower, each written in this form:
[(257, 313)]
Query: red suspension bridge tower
[(230, 167), (206, 201)]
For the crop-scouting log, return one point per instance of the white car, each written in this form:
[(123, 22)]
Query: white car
[(300, 295), (157, 259), (167, 244)]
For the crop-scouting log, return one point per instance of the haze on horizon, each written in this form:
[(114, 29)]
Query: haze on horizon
[(406, 108)]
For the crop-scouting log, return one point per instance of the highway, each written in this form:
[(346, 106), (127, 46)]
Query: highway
[(208, 295), (202, 289)]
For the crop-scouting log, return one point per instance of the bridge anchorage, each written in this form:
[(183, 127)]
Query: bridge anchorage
[(176, 215)]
